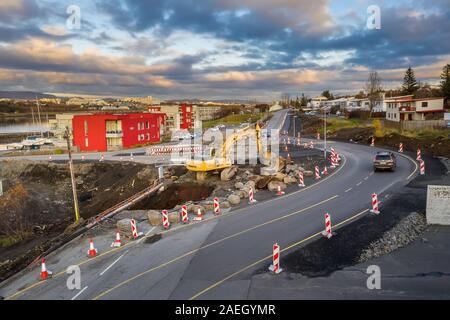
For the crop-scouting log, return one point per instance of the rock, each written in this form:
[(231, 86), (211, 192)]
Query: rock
[(240, 194), (250, 184), (228, 173), (291, 168), (124, 227), (239, 185), (234, 199), (262, 183), (289, 180), (254, 178), (174, 178), (154, 218), (273, 185), (174, 217), (208, 205), (239, 178), (225, 204), (278, 176), (308, 173)]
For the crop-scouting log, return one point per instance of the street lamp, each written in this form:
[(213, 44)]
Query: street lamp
[(294, 125), (325, 134)]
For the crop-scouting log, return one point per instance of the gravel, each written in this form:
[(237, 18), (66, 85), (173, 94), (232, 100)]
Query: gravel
[(405, 232)]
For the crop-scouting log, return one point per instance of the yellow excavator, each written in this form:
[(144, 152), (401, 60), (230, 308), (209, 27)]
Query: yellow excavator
[(220, 160)]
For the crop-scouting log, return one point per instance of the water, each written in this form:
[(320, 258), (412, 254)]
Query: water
[(24, 127)]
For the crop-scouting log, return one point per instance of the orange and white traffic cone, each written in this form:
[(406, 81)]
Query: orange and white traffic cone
[(279, 191), (45, 274), (117, 243), (199, 216), (325, 171), (92, 252)]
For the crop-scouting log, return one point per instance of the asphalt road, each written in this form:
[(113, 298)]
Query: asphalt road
[(216, 259)]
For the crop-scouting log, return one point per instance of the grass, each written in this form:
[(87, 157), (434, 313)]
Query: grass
[(232, 119), (8, 241), (428, 134), (336, 124)]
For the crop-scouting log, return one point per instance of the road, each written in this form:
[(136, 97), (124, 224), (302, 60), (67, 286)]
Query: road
[(216, 259)]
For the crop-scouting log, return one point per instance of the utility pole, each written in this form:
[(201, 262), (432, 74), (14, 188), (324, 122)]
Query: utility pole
[(325, 134), (72, 176)]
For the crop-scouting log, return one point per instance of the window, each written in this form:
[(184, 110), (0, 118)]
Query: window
[(148, 125), (86, 142), (86, 130), (424, 104), (148, 136)]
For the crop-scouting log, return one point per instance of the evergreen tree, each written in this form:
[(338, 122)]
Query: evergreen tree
[(409, 82), (445, 82)]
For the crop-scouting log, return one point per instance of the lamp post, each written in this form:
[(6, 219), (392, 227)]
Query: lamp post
[(325, 134)]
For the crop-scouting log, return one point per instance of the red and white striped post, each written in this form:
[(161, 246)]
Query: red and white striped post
[(184, 215), (251, 200), (301, 182), (318, 135), (372, 143), (400, 148), (134, 229), (375, 204), (216, 206), (317, 173), (419, 155), (333, 159), (165, 217), (44, 272), (327, 233), (422, 167), (325, 171), (275, 266)]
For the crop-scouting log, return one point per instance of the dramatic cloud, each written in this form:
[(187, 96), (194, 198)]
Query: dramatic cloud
[(218, 48)]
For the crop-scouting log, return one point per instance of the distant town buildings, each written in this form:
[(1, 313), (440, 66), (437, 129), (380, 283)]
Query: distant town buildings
[(149, 100), (406, 108)]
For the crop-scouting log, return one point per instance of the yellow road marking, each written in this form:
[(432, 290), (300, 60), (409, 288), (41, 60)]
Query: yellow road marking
[(211, 244), (270, 256)]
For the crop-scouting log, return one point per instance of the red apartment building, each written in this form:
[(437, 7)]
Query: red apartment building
[(186, 118), (103, 132)]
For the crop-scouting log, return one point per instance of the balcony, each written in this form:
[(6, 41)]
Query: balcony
[(407, 109), (114, 134)]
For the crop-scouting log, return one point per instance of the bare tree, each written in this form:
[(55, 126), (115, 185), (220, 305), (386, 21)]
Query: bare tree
[(373, 89)]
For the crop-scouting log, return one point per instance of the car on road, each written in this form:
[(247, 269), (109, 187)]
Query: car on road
[(384, 161)]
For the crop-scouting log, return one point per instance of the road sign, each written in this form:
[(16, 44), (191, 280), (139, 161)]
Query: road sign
[(438, 205)]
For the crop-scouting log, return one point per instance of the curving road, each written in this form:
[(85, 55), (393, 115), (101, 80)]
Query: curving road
[(216, 259)]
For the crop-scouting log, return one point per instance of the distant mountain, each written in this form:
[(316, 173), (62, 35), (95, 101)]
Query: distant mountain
[(24, 95)]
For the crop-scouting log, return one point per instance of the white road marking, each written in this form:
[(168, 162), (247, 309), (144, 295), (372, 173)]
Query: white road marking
[(348, 190), (359, 183), (103, 272), (366, 178), (78, 294), (371, 174)]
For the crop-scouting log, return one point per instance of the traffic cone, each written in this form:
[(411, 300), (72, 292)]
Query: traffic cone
[(117, 243), (199, 216), (279, 191), (92, 252), (45, 274), (325, 171)]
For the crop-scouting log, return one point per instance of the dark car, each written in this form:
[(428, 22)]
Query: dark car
[(384, 161)]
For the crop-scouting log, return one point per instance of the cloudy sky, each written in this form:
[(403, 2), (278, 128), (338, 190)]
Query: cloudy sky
[(217, 49)]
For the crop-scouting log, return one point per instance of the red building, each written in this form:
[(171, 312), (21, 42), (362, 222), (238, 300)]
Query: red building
[(102, 132), (186, 119)]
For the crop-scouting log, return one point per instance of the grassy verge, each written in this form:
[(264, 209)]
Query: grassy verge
[(336, 124), (233, 119), (8, 241)]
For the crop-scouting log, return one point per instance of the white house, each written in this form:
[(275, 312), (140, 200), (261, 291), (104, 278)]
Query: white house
[(406, 108)]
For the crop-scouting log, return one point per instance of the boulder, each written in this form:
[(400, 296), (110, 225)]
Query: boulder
[(262, 183), (208, 205), (234, 199), (291, 168), (124, 227), (308, 173), (250, 184), (225, 204), (228, 173), (239, 185), (154, 218), (289, 180), (278, 176), (174, 217), (273, 185)]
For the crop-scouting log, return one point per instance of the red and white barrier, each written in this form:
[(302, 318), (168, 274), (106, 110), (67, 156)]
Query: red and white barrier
[(45, 274), (92, 252), (372, 144), (279, 191), (251, 200), (325, 171), (327, 233), (275, 266), (199, 216), (301, 182), (165, 217), (134, 229), (422, 167), (117, 243), (375, 204), (419, 155), (216, 206), (184, 215), (317, 173), (400, 148)]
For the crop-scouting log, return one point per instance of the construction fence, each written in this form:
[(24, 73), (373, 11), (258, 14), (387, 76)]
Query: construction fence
[(416, 125)]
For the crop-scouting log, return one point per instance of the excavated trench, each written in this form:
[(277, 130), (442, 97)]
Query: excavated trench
[(176, 194)]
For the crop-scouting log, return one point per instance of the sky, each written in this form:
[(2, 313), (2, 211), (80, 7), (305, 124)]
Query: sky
[(218, 49)]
